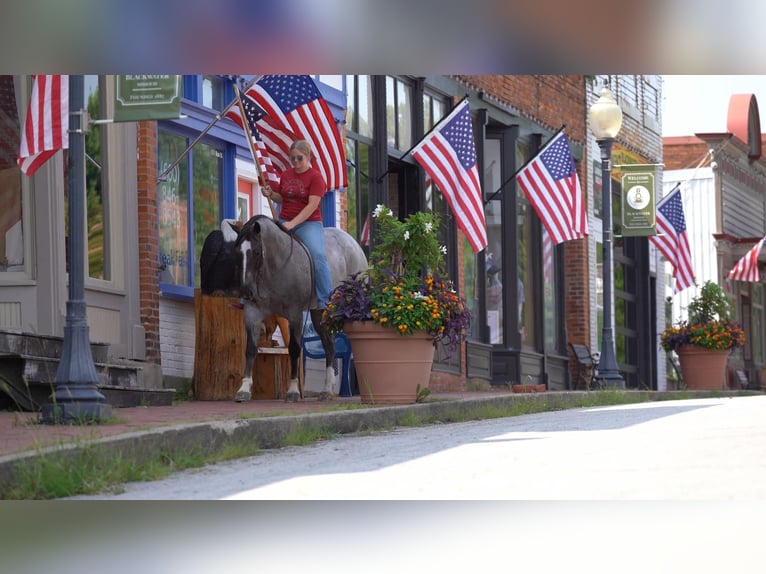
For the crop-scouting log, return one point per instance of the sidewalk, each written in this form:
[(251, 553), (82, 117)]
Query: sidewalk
[(21, 432)]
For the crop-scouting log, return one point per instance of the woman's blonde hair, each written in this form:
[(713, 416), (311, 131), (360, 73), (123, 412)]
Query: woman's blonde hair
[(302, 146)]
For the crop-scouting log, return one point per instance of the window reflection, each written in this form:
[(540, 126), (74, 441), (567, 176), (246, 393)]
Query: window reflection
[(494, 251), (95, 182), (11, 235)]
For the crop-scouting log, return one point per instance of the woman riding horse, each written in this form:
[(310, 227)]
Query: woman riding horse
[(300, 192)]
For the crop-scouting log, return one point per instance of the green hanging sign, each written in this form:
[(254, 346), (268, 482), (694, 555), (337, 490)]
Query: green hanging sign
[(638, 205), (142, 97)]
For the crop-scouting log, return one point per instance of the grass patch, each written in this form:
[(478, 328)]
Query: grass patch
[(302, 435), (93, 468)]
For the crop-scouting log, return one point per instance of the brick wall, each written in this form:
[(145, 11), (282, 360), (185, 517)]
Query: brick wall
[(684, 152), (545, 99), (148, 238)]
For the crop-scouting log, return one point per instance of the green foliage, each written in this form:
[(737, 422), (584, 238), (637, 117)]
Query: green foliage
[(709, 324), (403, 289)]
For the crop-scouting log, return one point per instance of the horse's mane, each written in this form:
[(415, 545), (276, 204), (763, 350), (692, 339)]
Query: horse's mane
[(263, 216)]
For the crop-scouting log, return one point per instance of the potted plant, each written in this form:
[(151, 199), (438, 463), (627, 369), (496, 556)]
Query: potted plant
[(705, 339), (401, 301)]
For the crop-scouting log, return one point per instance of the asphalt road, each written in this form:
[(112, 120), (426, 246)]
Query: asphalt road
[(702, 449)]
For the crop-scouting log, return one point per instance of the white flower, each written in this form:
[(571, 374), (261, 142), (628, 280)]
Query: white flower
[(443, 249), (406, 235), (379, 209), (429, 226)]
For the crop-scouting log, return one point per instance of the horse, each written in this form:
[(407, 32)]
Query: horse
[(278, 278)]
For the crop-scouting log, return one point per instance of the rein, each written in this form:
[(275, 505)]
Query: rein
[(260, 268)]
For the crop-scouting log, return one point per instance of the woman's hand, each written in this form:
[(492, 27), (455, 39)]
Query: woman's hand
[(266, 191)]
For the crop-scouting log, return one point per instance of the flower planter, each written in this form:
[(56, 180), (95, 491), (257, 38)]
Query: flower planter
[(389, 366), (703, 369)]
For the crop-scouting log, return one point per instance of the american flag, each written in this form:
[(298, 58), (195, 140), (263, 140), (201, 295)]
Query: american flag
[(448, 155), (551, 184), (253, 113), (296, 110), (672, 241), (46, 129), (746, 268)]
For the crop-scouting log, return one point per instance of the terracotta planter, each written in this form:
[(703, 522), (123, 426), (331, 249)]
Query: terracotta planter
[(703, 369), (389, 366)]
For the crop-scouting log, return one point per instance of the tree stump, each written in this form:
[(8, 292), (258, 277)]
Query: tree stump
[(219, 353)]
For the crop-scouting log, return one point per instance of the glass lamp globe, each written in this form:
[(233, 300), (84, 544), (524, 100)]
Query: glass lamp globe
[(605, 116)]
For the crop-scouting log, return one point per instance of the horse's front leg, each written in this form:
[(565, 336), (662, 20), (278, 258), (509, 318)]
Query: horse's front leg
[(294, 349), (328, 344), (252, 329)]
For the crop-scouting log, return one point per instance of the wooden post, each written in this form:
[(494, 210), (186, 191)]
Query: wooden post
[(219, 354), (219, 348)]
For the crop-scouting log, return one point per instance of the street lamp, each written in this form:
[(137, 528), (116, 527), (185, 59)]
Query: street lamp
[(605, 118)]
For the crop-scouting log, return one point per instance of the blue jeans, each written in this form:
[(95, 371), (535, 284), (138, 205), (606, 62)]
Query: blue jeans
[(312, 235)]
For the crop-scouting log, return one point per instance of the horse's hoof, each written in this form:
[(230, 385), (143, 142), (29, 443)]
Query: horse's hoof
[(292, 397), (325, 396), (242, 396)]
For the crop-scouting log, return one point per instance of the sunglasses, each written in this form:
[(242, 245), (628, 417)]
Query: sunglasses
[(296, 158)]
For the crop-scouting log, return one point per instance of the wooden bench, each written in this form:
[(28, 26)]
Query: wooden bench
[(587, 363)]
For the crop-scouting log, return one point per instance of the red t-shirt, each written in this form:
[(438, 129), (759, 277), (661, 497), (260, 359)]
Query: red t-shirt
[(295, 189)]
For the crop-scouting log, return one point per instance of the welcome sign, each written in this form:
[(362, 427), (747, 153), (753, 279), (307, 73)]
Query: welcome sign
[(638, 205)]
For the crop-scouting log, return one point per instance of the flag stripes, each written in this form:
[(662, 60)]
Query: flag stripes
[(672, 240), (746, 268), (46, 129), (448, 155), (296, 110), (552, 187)]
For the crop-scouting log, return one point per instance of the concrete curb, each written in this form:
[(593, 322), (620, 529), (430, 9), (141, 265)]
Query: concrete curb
[(271, 432)]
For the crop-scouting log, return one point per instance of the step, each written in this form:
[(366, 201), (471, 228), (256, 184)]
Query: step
[(33, 345), (27, 383)]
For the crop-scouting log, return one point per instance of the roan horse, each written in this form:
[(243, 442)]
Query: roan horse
[(277, 278)]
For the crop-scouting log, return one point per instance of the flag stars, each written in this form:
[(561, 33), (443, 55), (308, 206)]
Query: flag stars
[(459, 133), (558, 159)]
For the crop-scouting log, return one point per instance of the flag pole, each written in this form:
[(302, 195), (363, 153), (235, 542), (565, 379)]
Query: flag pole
[(163, 176), (409, 151), (249, 135), (526, 163)]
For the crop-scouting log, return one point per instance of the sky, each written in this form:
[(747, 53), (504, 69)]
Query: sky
[(698, 104)]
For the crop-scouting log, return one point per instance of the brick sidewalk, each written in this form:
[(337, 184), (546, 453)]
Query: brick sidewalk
[(20, 432)]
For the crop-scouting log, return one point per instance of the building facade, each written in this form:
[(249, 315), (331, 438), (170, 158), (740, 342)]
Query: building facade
[(147, 218), (723, 185)]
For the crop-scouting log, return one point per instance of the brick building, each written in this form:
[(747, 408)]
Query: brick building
[(528, 301), (723, 181)]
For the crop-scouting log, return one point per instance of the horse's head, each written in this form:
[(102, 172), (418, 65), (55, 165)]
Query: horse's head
[(250, 248)]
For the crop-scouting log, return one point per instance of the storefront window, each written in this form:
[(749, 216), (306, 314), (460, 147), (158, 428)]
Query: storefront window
[(11, 221), (494, 250), (173, 199), (757, 323), (96, 185), (550, 287), (185, 224), (398, 114)]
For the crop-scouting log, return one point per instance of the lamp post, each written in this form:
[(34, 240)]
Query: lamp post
[(76, 399), (605, 118)]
